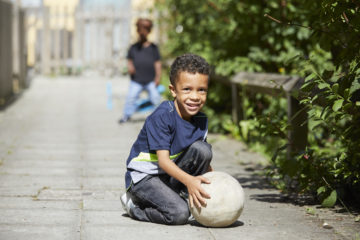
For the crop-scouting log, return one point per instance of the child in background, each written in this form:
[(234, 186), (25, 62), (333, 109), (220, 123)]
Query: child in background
[(144, 66)]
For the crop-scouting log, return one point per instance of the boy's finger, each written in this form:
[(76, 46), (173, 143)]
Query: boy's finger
[(191, 201), (205, 180), (201, 200), (205, 194), (198, 201)]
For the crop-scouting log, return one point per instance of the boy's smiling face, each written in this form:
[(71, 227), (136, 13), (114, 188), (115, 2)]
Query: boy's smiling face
[(190, 92)]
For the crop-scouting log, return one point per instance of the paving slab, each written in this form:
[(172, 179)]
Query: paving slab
[(62, 166), (32, 203), (140, 232), (23, 218), (18, 191), (35, 232), (40, 181)]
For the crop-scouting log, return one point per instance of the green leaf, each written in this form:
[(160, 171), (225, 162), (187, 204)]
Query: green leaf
[(335, 87), (331, 97), (337, 104), (347, 106), (245, 127), (330, 200), (324, 112), (323, 85), (310, 77), (346, 93), (315, 124), (278, 151), (310, 211), (321, 190), (308, 86)]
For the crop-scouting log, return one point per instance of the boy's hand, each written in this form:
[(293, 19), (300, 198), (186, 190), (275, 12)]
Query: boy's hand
[(157, 81), (197, 194), (131, 67)]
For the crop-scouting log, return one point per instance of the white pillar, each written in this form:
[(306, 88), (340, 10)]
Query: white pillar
[(45, 53)]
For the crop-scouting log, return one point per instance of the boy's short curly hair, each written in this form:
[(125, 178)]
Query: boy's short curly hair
[(190, 63), (144, 22)]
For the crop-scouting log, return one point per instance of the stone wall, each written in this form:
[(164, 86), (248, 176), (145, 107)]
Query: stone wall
[(6, 60)]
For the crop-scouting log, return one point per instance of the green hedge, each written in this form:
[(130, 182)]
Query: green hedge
[(318, 40)]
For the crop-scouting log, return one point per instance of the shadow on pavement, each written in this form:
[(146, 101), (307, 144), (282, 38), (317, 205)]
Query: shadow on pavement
[(253, 182), (11, 100), (234, 225), (256, 180), (196, 224)]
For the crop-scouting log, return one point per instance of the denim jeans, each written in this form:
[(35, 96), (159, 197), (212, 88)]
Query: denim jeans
[(157, 197), (133, 94)]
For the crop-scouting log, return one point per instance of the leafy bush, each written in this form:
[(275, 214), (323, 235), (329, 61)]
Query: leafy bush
[(318, 40)]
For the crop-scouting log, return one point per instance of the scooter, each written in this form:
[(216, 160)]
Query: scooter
[(145, 105)]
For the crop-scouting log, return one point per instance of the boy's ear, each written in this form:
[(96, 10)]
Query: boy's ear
[(172, 90)]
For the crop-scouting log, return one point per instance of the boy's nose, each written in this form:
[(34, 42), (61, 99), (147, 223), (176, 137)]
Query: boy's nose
[(194, 95)]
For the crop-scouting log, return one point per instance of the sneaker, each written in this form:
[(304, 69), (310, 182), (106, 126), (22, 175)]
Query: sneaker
[(191, 218), (124, 119), (127, 203), (184, 194)]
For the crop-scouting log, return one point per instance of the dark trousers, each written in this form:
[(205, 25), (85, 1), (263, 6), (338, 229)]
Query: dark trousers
[(157, 197)]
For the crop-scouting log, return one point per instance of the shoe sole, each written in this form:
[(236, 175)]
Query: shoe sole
[(123, 203)]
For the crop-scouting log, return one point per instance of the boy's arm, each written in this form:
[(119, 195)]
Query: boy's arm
[(131, 68), (197, 194), (157, 66)]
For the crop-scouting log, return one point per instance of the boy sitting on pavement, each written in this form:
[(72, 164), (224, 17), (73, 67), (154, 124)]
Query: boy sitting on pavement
[(167, 160)]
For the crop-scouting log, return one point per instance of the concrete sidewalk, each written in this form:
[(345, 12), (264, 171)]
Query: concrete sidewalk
[(62, 164)]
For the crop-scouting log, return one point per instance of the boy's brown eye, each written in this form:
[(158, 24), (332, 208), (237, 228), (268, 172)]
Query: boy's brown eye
[(203, 90)]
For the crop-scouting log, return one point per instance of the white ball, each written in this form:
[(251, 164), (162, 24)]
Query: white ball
[(226, 202)]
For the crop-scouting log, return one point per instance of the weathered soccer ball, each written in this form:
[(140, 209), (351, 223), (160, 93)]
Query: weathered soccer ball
[(226, 202)]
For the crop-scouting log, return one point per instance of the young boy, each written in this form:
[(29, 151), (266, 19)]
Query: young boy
[(171, 152), (144, 67)]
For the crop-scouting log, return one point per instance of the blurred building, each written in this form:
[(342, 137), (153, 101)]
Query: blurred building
[(102, 34), (69, 36), (50, 26)]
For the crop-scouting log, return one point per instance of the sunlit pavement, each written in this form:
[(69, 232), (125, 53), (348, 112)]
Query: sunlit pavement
[(62, 164)]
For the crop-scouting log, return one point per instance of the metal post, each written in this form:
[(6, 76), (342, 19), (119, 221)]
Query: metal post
[(236, 115), (297, 117)]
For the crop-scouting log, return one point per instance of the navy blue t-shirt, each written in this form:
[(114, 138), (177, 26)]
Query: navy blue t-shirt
[(164, 129), (143, 59)]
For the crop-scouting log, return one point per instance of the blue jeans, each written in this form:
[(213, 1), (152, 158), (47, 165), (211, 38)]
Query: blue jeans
[(157, 197), (133, 94)]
